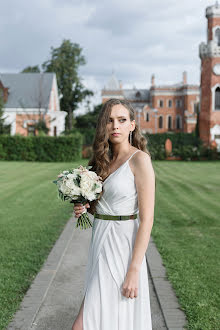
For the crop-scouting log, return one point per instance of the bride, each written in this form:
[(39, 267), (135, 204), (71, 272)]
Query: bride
[(116, 292)]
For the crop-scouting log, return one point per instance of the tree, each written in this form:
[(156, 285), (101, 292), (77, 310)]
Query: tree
[(89, 120), (65, 61), (4, 129), (31, 69)]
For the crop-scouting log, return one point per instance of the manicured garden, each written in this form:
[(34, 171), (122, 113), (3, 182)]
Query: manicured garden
[(186, 231), (31, 219)]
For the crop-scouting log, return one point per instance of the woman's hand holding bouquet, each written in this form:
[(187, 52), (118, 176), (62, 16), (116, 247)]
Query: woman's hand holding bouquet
[(79, 186), (79, 208)]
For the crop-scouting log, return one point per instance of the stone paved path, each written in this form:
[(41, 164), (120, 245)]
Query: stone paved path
[(54, 298)]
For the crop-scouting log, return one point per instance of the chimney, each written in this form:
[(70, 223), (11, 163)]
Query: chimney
[(120, 84), (184, 78), (153, 80)]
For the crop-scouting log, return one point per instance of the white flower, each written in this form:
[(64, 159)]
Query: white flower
[(75, 190), (99, 187), (90, 183), (87, 186), (64, 189)]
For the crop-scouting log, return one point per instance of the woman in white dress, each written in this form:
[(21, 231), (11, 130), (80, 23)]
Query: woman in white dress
[(116, 292)]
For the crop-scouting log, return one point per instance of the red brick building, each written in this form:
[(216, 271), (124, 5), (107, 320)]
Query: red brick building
[(160, 108), (174, 107), (209, 123)]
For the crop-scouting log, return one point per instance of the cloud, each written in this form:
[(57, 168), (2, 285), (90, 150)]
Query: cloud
[(135, 38)]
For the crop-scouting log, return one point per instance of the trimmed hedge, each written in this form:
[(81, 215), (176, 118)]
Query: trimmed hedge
[(87, 133), (71, 147), (177, 139), (185, 145), (41, 148)]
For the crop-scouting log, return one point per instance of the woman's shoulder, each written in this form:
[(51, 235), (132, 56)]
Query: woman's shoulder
[(140, 159), (140, 155)]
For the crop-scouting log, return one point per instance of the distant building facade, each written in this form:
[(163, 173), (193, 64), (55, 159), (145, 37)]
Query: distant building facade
[(29, 96), (174, 107), (209, 123), (161, 108)]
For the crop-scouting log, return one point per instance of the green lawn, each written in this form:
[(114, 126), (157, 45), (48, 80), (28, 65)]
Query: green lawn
[(186, 231), (31, 219)]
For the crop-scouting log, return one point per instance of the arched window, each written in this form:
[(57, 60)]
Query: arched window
[(217, 36), (161, 122), (147, 116), (178, 122), (160, 102), (169, 122), (217, 98), (138, 94)]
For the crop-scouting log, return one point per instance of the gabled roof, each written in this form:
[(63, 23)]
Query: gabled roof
[(27, 90)]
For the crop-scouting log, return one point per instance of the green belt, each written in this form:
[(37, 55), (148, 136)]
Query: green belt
[(115, 217)]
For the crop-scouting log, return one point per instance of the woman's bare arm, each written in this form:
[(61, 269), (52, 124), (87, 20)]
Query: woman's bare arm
[(145, 185)]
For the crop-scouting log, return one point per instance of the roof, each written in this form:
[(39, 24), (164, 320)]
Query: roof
[(27, 90), (137, 94), (113, 83), (176, 86)]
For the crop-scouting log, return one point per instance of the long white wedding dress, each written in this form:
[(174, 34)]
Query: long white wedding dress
[(110, 253)]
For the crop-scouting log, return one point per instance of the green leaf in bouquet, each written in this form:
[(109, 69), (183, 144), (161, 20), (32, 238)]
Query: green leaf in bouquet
[(77, 180), (95, 186)]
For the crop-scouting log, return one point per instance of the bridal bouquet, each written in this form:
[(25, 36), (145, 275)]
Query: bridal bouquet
[(79, 185)]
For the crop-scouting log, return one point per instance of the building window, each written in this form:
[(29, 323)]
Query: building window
[(161, 122), (196, 107), (217, 98), (170, 103), (178, 122), (178, 103), (217, 36), (169, 122), (31, 130), (147, 116), (161, 103)]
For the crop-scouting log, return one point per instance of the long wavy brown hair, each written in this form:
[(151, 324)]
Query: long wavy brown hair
[(102, 146)]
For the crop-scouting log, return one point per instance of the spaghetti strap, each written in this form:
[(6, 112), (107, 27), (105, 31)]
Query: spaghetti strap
[(133, 155)]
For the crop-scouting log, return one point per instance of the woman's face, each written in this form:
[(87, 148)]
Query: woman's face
[(120, 123)]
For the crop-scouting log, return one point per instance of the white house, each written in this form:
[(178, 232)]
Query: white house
[(29, 96)]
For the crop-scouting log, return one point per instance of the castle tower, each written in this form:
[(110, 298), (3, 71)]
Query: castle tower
[(209, 52)]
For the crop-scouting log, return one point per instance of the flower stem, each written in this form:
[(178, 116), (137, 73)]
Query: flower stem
[(83, 221)]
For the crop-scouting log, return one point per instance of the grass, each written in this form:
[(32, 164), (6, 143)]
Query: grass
[(186, 232), (31, 219)]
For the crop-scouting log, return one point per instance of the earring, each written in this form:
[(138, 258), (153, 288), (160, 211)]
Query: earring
[(130, 137)]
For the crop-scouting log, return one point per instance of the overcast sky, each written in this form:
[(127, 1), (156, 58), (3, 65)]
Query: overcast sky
[(133, 38)]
